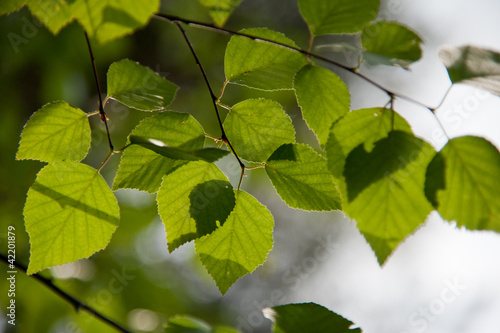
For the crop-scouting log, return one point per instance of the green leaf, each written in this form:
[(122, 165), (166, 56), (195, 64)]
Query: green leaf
[(240, 245), (53, 14), (7, 7), (337, 16), (301, 178), (463, 182), (159, 147), (220, 10), (70, 213), (323, 98), (390, 43), (307, 317), (138, 87), (56, 132), (191, 200), (474, 66), (143, 169), (106, 20), (385, 190), (262, 65), (188, 324), (257, 127)]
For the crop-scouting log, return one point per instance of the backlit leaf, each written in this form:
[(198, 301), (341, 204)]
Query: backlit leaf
[(301, 178), (220, 10), (463, 182), (70, 213), (262, 65), (53, 14), (192, 199), (139, 87), (338, 16), (143, 169), (257, 127), (385, 190), (7, 7), (56, 132), (323, 98), (474, 66), (240, 245), (390, 43)]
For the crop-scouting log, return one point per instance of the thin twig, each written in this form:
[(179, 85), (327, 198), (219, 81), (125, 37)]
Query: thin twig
[(214, 98), (77, 304), (104, 118)]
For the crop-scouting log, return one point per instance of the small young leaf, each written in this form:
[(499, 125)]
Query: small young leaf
[(240, 245), (301, 178), (338, 16), (70, 213), (56, 132), (474, 66), (390, 43), (257, 127), (220, 10), (463, 181), (191, 200), (262, 65), (385, 190), (323, 98), (138, 87), (307, 317), (7, 7), (54, 14), (106, 20), (143, 169)]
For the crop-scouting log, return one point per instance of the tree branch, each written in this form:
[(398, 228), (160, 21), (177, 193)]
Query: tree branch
[(77, 304)]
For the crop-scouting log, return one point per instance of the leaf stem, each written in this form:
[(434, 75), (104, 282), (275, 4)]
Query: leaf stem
[(77, 304)]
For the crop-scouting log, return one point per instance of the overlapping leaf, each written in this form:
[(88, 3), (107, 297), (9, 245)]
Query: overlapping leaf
[(139, 87), (7, 7), (240, 245), (262, 65), (192, 199), (143, 169), (301, 178), (385, 189), (474, 66), (187, 324), (307, 317), (56, 132), (463, 183), (390, 43), (338, 16), (53, 14), (70, 213), (220, 10), (257, 127), (323, 98)]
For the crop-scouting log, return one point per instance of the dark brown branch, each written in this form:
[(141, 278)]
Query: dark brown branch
[(77, 304)]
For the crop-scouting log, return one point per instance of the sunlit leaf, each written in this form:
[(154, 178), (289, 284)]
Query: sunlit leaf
[(139, 87), (240, 245), (56, 132), (474, 66), (262, 65), (463, 182), (191, 200), (323, 98), (301, 178), (70, 213), (220, 10), (385, 190), (106, 20), (7, 7), (257, 127), (390, 43), (53, 14), (144, 169), (307, 317), (338, 16)]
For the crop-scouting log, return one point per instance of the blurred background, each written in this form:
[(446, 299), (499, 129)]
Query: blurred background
[(441, 279)]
